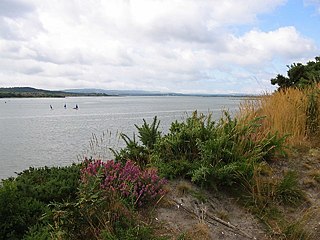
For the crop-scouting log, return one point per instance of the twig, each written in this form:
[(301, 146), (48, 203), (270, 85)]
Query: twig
[(219, 220)]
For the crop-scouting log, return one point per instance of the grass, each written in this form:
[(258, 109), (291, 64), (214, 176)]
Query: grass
[(314, 174), (184, 188), (293, 111), (273, 193), (288, 190), (198, 231)]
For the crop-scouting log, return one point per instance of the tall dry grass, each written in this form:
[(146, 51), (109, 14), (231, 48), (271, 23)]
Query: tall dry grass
[(293, 112)]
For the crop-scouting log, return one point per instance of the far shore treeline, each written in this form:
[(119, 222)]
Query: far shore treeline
[(28, 92)]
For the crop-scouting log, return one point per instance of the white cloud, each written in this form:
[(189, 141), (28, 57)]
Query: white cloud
[(172, 45), (257, 47)]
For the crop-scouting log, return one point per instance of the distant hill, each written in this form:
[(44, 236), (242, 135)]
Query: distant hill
[(123, 92), (22, 92), (26, 92), (148, 93)]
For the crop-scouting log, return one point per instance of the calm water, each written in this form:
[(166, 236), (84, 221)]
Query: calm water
[(34, 135)]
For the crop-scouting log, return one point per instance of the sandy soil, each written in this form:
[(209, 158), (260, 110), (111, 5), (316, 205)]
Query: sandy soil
[(189, 212), (219, 217)]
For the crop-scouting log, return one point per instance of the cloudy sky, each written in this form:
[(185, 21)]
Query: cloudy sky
[(188, 46)]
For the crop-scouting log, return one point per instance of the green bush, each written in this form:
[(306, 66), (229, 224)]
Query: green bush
[(149, 133), (24, 199), (39, 232), (49, 184), (209, 152), (132, 151), (17, 211), (182, 140), (139, 153)]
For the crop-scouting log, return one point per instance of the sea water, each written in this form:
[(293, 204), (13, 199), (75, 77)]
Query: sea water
[(34, 135)]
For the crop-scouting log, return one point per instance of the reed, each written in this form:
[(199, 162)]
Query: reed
[(293, 112)]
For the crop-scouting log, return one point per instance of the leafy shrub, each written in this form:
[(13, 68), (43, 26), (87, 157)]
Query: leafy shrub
[(182, 140), (17, 211), (140, 154), (39, 232), (132, 151), (211, 152), (24, 199), (137, 187), (49, 184), (149, 134)]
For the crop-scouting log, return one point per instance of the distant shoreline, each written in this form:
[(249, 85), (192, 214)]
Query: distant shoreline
[(28, 92), (52, 96)]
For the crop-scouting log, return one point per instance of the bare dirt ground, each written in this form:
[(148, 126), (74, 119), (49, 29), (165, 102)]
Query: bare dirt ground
[(189, 212), (185, 216)]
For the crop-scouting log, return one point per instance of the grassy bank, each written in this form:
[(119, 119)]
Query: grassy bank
[(245, 157), (292, 112)]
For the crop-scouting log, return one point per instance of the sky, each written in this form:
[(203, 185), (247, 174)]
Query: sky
[(184, 46)]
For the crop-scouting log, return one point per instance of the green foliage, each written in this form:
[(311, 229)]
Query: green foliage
[(23, 200), (17, 211), (149, 134), (39, 232), (313, 113), (49, 184), (140, 154), (288, 190), (176, 153), (296, 230), (86, 216), (132, 151), (214, 153), (299, 75), (182, 140), (137, 232), (50, 203), (264, 190), (172, 169)]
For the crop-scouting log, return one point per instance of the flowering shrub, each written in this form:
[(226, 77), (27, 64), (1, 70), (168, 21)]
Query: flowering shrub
[(137, 186)]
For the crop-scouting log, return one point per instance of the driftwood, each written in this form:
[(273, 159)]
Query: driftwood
[(232, 227)]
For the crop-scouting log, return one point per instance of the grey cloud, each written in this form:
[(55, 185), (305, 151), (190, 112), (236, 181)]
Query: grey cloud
[(81, 56), (169, 30), (59, 59), (15, 8), (32, 70), (6, 32)]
